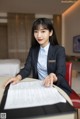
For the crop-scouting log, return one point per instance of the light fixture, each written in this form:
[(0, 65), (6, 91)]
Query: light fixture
[(68, 1)]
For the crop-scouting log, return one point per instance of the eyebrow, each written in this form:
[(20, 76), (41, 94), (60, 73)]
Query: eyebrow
[(40, 29)]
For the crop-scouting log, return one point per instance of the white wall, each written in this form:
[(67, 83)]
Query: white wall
[(70, 27)]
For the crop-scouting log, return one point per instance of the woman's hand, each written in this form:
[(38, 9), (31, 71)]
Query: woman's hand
[(50, 79), (13, 80)]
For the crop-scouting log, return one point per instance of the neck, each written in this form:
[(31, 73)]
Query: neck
[(44, 45)]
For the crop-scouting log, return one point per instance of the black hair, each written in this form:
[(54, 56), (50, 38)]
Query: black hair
[(47, 24)]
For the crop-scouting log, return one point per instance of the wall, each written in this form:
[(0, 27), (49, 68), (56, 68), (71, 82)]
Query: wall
[(57, 21), (70, 27)]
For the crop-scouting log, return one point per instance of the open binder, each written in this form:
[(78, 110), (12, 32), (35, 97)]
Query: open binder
[(43, 111)]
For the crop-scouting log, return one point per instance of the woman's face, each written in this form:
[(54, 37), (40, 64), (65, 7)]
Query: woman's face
[(42, 35)]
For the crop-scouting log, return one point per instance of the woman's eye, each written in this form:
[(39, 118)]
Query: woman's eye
[(43, 31), (35, 31)]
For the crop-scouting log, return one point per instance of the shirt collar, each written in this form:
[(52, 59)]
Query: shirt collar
[(45, 48)]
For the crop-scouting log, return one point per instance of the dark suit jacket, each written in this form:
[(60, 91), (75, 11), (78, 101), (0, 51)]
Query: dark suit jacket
[(55, 64)]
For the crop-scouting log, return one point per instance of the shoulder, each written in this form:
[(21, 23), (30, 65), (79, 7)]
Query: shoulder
[(34, 48), (58, 47)]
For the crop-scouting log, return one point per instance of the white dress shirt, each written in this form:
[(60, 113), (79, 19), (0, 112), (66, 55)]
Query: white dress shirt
[(42, 62)]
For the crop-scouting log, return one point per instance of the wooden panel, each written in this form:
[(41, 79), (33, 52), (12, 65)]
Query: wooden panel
[(19, 35), (57, 20), (12, 44), (3, 41)]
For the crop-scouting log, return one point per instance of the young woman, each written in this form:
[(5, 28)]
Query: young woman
[(46, 59)]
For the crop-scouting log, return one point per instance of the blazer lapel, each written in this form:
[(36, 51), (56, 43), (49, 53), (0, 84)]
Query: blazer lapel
[(50, 52), (50, 58), (36, 52)]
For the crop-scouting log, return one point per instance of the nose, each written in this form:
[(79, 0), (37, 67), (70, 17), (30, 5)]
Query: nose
[(39, 35)]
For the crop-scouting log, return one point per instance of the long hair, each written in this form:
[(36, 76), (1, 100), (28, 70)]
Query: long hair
[(47, 24)]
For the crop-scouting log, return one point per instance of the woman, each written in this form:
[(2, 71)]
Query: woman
[(46, 59)]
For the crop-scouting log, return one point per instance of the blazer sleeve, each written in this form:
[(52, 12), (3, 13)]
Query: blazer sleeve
[(25, 72), (61, 65)]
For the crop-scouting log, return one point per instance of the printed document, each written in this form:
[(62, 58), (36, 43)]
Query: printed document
[(31, 94)]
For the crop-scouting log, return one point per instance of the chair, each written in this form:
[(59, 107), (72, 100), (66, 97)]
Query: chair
[(75, 98)]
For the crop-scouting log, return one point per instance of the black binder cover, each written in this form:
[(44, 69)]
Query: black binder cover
[(34, 112)]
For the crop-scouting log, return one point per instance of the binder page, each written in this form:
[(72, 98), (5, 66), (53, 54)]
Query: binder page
[(32, 94)]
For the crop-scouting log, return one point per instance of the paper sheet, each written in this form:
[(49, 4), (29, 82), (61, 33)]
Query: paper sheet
[(31, 94)]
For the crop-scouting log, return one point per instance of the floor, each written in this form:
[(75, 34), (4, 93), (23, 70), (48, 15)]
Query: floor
[(76, 83)]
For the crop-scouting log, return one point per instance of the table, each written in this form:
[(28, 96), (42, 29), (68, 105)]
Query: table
[(62, 116)]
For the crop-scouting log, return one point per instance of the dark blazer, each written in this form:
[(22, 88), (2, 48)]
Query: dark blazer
[(55, 64)]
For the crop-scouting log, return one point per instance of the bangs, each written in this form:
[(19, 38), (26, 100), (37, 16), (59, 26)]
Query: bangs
[(37, 26), (42, 22)]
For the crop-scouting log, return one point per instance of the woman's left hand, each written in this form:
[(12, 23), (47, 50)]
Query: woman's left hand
[(50, 79)]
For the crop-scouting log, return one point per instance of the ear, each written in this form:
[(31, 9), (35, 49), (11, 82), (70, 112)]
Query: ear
[(51, 33)]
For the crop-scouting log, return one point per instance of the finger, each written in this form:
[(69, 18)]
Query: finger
[(9, 81), (52, 81), (47, 83), (15, 82), (45, 80), (55, 77)]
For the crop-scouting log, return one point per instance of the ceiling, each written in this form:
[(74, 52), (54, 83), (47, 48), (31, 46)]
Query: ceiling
[(34, 6)]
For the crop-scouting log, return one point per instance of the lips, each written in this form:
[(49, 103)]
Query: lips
[(40, 39)]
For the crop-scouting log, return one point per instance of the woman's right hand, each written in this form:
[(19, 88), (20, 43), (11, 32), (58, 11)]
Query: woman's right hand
[(13, 80)]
